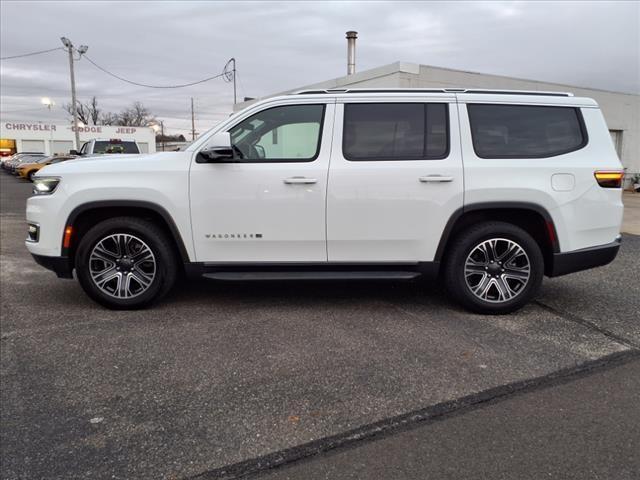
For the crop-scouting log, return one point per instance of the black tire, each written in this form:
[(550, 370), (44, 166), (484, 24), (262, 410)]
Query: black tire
[(30, 175), (165, 261), (495, 302)]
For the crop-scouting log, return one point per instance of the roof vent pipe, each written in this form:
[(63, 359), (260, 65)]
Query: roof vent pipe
[(351, 52)]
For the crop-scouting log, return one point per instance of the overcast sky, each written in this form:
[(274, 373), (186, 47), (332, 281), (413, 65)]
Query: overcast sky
[(284, 45)]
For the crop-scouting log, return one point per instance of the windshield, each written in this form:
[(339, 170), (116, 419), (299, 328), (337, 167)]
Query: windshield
[(115, 147)]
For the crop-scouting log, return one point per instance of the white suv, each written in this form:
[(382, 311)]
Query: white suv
[(490, 189)]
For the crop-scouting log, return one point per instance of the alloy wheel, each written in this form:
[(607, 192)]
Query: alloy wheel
[(497, 270), (122, 265)]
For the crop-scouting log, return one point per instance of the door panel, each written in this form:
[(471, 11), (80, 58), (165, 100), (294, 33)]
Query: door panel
[(386, 210), (267, 209)]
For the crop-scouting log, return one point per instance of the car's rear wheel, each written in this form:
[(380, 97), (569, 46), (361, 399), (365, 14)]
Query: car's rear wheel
[(494, 267), (30, 175), (126, 263)]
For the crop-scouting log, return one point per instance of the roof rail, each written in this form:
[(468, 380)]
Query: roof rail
[(333, 91)]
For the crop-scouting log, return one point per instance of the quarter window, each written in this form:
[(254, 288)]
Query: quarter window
[(288, 133), (525, 131), (395, 131)]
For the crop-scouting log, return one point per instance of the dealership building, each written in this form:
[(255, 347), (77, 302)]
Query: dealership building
[(621, 110), (49, 138)]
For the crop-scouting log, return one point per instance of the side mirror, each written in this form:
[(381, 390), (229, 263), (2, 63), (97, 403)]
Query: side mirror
[(215, 155), (73, 152), (219, 150)]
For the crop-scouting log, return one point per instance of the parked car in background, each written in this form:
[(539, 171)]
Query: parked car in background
[(29, 158), (27, 170), (6, 161), (107, 146)]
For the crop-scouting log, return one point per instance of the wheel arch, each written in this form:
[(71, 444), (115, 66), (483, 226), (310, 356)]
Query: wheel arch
[(84, 216), (531, 217)]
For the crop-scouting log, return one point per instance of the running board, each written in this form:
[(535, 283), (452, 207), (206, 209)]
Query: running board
[(311, 275)]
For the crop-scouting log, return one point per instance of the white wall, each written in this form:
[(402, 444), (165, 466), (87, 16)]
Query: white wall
[(53, 136)]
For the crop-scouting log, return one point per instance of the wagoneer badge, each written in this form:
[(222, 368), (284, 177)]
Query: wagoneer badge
[(233, 236)]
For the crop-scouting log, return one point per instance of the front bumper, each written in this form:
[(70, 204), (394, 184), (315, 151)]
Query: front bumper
[(585, 258), (62, 266)]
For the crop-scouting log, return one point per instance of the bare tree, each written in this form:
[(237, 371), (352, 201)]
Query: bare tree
[(109, 119), (88, 113), (94, 111), (137, 115), (80, 109)]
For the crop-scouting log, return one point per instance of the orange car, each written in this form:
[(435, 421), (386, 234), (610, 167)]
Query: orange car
[(27, 170)]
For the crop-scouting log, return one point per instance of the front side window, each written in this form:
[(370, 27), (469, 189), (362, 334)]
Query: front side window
[(525, 131), (289, 133), (395, 131)]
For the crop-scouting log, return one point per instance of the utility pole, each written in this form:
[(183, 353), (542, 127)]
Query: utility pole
[(73, 98), (193, 124), (83, 48), (162, 133), (234, 81)]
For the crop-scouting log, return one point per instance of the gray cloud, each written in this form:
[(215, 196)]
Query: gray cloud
[(283, 45)]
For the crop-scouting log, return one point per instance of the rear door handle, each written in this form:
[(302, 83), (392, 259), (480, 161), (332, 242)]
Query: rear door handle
[(303, 180), (435, 179)]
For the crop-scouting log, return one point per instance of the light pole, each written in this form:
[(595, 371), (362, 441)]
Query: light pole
[(159, 127), (83, 48), (47, 102)]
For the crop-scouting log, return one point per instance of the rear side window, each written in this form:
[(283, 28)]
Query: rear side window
[(395, 131), (525, 131)]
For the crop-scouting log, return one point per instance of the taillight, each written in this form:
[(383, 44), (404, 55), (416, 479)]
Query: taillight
[(609, 178)]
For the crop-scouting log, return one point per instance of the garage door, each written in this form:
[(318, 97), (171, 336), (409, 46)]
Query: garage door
[(33, 146), (61, 146)]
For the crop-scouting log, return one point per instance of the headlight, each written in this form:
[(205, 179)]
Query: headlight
[(45, 185)]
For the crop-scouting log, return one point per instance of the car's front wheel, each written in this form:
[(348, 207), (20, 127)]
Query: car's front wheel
[(126, 263), (494, 267)]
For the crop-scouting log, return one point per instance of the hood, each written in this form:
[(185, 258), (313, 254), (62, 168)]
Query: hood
[(110, 163), (125, 163)]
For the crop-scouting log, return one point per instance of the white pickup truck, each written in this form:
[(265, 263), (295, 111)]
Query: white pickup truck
[(99, 146)]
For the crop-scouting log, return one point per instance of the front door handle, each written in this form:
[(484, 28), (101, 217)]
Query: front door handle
[(302, 180), (435, 179)]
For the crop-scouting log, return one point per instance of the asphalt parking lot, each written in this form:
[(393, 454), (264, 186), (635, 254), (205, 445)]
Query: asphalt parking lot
[(222, 380)]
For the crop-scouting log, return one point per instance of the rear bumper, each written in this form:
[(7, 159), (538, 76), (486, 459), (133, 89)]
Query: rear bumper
[(585, 258), (60, 265)]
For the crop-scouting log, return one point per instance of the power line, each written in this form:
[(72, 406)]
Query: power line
[(32, 53), (154, 86)]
